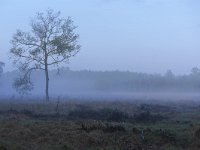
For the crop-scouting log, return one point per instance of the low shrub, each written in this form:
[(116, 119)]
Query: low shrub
[(147, 117), (103, 115)]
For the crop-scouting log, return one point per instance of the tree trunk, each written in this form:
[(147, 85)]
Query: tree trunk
[(47, 77), (47, 82)]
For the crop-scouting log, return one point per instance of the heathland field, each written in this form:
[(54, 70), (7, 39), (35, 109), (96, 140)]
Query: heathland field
[(100, 125)]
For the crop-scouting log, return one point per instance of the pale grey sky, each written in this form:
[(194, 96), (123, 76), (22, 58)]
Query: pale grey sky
[(136, 35)]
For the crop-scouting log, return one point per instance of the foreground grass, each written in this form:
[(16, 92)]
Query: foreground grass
[(114, 125)]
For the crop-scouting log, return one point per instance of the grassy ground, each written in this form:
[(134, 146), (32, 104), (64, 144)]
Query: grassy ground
[(100, 125)]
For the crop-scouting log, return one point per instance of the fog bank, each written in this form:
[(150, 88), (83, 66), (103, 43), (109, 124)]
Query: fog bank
[(105, 85)]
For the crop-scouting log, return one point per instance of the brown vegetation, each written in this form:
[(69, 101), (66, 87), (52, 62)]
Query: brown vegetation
[(114, 129)]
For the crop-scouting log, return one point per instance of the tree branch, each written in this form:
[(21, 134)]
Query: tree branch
[(31, 58)]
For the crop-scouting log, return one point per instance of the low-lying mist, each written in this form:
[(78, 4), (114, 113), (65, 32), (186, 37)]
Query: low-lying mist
[(105, 85)]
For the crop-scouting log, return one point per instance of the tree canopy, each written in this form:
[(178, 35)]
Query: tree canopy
[(51, 42)]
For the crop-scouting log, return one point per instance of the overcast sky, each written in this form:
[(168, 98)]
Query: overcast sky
[(136, 35)]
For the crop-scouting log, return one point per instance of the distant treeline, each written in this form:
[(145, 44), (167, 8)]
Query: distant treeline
[(66, 80), (133, 81)]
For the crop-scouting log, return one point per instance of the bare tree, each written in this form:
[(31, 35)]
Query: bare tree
[(51, 42)]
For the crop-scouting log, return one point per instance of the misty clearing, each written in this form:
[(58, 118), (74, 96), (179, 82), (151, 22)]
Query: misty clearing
[(100, 75)]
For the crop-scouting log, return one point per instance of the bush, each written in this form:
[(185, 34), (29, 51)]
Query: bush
[(89, 126), (114, 128), (118, 116), (103, 115), (147, 117)]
